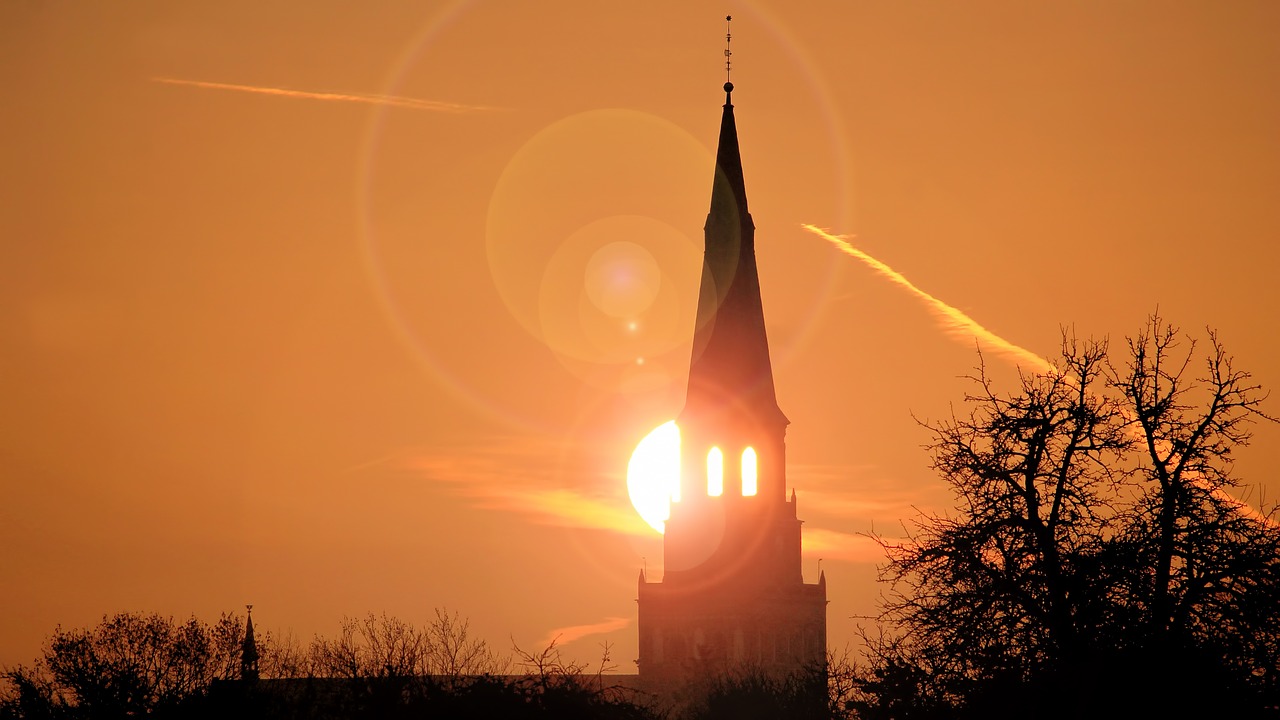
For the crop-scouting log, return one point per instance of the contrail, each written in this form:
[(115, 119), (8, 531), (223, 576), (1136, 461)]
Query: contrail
[(954, 318), (387, 100)]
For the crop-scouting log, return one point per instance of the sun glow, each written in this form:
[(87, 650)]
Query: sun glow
[(653, 474)]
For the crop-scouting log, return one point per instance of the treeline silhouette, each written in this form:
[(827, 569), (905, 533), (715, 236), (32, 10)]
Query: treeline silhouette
[(1097, 563), (377, 666)]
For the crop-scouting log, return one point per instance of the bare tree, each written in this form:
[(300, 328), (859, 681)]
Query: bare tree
[(1095, 537), (451, 650), (1207, 565), (1002, 587), (376, 646), (843, 688), (551, 686), (282, 656)]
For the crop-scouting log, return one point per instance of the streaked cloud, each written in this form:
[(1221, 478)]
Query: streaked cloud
[(824, 491), (834, 545), (536, 479), (362, 98), (565, 635)]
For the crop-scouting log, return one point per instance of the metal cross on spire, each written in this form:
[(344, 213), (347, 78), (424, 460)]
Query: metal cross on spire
[(727, 38)]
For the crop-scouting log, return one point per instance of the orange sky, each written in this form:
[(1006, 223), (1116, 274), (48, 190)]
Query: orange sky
[(302, 303)]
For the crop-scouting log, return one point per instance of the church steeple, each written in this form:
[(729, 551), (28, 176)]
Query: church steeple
[(732, 517), (249, 650), (730, 376), (732, 593), (731, 351)]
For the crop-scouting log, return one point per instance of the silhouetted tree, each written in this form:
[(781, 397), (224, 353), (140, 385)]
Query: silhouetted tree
[(283, 656), (1095, 554), (749, 694), (1207, 565), (382, 646), (843, 686), (451, 650), (551, 687), (129, 664), (386, 665)]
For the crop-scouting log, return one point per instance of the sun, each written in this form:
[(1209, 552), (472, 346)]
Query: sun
[(653, 475)]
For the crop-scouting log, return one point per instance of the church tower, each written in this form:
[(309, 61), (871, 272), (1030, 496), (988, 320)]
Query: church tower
[(732, 596)]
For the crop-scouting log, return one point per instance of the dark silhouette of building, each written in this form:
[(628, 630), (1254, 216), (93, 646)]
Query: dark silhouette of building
[(249, 649), (732, 597)]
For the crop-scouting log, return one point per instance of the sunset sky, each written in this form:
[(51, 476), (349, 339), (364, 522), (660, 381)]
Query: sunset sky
[(336, 307)]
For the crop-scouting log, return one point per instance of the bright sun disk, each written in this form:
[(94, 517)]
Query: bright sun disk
[(653, 475)]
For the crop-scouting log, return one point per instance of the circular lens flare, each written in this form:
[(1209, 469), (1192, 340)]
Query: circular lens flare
[(622, 279), (653, 475)]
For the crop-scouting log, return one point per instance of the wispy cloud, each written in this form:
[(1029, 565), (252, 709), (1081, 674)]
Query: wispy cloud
[(834, 545), (824, 491), (953, 318), (565, 635), (363, 98), (530, 478), (533, 478)]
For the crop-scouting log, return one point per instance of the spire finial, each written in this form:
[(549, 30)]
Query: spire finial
[(728, 37)]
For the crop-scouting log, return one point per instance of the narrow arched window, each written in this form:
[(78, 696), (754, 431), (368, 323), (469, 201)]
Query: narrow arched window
[(715, 472), (749, 471)]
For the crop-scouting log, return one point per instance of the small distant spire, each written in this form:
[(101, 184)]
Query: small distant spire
[(249, 650)]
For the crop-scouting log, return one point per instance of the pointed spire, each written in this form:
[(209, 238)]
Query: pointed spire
[(729, 161), (249, 650), (730, 373)]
